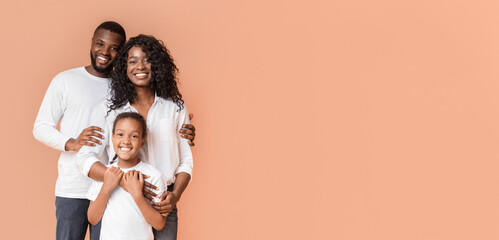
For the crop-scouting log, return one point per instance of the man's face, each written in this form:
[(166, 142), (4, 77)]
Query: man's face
[(104, 49)]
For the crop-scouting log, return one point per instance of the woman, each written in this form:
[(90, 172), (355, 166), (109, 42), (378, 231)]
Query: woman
[(144, 81)]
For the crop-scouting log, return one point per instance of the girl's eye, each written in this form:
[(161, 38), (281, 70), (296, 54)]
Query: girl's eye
[(120, 134), (132, 62)]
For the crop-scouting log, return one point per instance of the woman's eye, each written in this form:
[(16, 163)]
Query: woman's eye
[(132, 62)]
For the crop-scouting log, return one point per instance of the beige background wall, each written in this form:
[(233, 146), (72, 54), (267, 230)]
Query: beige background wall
[(316, 119)]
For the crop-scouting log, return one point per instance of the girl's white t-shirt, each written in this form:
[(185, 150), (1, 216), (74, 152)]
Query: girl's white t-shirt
[(122, 218)]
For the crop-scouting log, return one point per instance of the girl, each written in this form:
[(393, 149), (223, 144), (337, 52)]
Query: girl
[(126, 215), (144, 81)]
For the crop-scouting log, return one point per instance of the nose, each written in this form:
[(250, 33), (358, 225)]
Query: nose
[(105, 51), (140, 65)]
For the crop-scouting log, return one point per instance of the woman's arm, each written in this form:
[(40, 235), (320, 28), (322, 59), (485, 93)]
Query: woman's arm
[(134, 182), (96, 209), (168, 200)]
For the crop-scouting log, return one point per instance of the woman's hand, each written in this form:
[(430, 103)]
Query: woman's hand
[(166, 204)]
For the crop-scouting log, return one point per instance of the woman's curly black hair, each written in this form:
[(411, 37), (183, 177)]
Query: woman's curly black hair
[(163, 73)]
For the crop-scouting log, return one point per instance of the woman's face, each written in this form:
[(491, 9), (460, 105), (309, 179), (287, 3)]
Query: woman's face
[(138, 67)]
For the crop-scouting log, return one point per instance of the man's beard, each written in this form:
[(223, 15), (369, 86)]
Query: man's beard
[(105, 70)]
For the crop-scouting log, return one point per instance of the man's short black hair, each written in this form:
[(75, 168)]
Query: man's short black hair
[(112, 27)]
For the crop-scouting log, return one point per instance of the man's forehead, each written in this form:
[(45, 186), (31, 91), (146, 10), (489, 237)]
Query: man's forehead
[(104, 34)]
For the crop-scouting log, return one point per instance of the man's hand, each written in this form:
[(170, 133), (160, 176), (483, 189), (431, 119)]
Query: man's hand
[(188, 131), (166, 204), (112, 177), (89, 137), (134, 182)]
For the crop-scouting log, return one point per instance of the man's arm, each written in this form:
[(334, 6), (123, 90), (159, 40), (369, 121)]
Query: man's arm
[(51, 110)]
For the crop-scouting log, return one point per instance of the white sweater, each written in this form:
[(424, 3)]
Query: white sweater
[(71, 98)]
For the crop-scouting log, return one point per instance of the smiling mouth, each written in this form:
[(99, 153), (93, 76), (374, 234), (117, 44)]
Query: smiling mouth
[(141, 75), (125, 149), (102, 60)]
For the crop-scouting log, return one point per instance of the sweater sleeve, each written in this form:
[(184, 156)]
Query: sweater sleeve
[(88, 155), (52, 109)]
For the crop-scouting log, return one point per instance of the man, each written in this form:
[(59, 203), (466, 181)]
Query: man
[(71, 98)]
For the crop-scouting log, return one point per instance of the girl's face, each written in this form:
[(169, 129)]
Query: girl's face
[(127, 139), (138, 68)]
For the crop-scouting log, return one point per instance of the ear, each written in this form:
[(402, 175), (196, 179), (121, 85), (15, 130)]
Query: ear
[(143, 142)]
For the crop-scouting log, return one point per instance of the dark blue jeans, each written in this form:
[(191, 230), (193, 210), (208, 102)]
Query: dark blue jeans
[(169, 231), (72, 222)]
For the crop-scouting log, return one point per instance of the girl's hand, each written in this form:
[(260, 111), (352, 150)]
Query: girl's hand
[(112, 178), (134, 183)]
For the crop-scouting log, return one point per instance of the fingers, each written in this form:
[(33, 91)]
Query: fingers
[(191, 116), (91, 131), (148, 196), (87, 140), (188, 137), (95, 134), (93, 128), (148, 184), (148, 193), (189, 126), (186, 131), (163, 209)]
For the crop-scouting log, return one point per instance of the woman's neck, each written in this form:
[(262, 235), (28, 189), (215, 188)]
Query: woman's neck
[(143, 101), (145, 96)]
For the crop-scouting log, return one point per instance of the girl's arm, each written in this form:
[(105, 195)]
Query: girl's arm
[(96, 209), (134, 181)]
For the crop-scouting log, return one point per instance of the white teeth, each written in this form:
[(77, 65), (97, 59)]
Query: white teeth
[(102, 58), (140, 74), (125, 149)]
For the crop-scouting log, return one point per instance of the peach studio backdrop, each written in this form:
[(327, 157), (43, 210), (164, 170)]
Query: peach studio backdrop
[(316, 119)]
